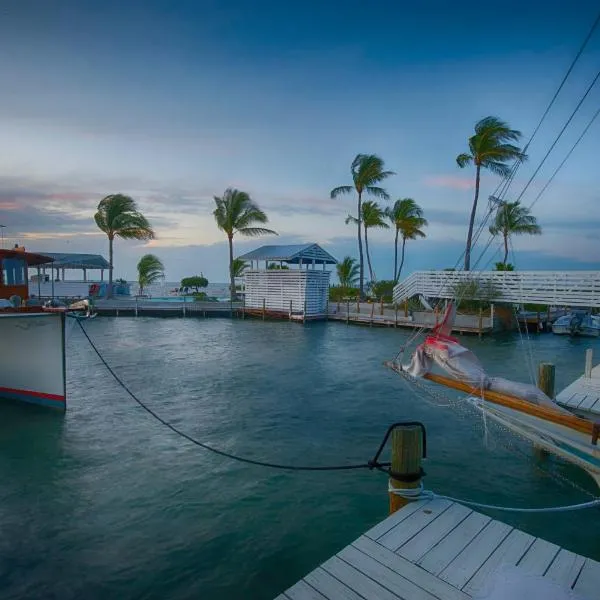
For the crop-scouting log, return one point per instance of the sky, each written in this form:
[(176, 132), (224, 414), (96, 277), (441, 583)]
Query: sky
[(172, 102)]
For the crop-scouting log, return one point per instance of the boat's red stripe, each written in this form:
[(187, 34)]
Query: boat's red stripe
[(32, 394)]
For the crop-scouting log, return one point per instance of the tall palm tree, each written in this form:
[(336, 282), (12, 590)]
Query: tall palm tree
[(513, 219), (490, 149), (150, 269), (118, 216), (373, 216), (235, 212), (347, 272), (367, 171), (407, 218)]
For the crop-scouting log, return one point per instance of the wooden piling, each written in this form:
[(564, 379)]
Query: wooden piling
[(357, 303), (304, 311), (407, 450), (372, 314), (395, 315), (546, 372), (381, 309), (548, 318), (406, 308), (480, 323), (589, 357), (290, 315), (264, 310), (347, 312)]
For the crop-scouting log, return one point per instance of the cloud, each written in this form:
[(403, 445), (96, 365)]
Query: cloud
[(454, 182)]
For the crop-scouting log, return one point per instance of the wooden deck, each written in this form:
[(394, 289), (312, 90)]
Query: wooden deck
[(438, 549), (583, 395)]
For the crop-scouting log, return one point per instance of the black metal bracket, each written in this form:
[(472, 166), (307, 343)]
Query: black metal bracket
[(407, 477)]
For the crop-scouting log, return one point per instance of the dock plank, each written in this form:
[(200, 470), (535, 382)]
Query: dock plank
[(387, 524), (303, 591), (438, 558), (433, 533), (565, 568), (448, 552), (470, 559), (539, 557), (400, 534), (364, 586), (509, 552), (329, 586), (385, 576), (588, 582), (409, 570)]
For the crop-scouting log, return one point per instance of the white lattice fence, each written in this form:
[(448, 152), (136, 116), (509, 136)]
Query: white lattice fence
[(562, 288)]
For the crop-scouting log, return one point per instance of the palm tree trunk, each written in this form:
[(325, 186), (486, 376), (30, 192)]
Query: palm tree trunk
[(109, 292), (472, 221), (368, 256), (402, 259), (231, 277), (505, 248), (360, 249), (395, 278)]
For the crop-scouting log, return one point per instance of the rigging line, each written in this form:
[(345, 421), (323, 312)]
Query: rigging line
[(565, 159), (562, 83), (575, 111), (251, 461)]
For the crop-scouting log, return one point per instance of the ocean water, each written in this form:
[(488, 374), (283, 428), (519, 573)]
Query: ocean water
[(106, 502)]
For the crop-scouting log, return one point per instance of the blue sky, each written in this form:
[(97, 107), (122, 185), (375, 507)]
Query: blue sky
[(172, 102)]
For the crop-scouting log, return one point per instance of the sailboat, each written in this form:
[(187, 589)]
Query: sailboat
[(520, 407)]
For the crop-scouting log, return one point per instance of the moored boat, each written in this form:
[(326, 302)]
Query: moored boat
[(577, 323), (32, 366)]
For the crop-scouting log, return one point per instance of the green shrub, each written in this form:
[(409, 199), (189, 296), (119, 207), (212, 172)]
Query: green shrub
[(338, 293), (383, 288), (473, 295), (500, 266)]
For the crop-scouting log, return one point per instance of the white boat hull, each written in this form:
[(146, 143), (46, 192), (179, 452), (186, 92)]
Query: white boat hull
[(571, 445), (32, 366)]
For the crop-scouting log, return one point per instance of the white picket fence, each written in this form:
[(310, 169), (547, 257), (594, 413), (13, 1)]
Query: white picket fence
[(557, 288)]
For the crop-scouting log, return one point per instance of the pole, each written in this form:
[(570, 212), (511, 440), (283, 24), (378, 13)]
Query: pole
[(546, 373), (395, 314), (406, 308), (290, 315), (264, 309), (357, 303), (480, 321), (372, 314), (381, 309), (589, 357), (407, 450), (347, 311)]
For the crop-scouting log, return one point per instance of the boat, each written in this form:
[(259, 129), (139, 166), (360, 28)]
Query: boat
[(522, 408), (577, 323), (32, 367)]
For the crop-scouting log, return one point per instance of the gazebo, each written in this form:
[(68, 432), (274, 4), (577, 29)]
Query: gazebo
[(293, 281), (83, 262)]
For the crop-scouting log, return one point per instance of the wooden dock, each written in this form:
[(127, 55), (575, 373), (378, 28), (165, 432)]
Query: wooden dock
[(441, 550), (583, 395), (135, 308)]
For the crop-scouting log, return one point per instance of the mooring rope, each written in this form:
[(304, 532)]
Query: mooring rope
[(420, 493)]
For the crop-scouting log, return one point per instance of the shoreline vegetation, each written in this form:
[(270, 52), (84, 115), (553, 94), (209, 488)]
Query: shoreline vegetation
[(493, 147)]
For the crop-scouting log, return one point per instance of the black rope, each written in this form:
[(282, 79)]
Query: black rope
[(371, 464)]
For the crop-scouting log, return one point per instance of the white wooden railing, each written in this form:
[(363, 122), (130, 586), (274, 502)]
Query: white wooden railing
[(558, 288)]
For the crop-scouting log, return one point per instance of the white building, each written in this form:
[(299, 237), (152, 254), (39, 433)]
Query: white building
[(293, 281)]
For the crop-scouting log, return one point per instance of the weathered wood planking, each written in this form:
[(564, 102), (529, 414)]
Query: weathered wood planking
[(440, 550), (583, 395)]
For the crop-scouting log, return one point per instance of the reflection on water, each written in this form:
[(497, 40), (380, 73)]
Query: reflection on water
[(106, 502)]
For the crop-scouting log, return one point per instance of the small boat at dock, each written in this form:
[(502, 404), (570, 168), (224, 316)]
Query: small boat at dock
[(577, 323), (32, 367)]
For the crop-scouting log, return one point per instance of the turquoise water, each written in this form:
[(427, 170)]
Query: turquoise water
[(105, 502)]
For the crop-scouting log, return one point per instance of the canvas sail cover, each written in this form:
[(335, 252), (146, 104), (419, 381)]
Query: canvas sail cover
[(460, 363)]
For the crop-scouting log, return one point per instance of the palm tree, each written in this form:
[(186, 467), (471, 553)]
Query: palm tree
[(347, 272), (407, 218), (150, 269), (513, 219), (490, 149), (372, 216), (235, 212), (367, 171), (239, 266), (118, 216)]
